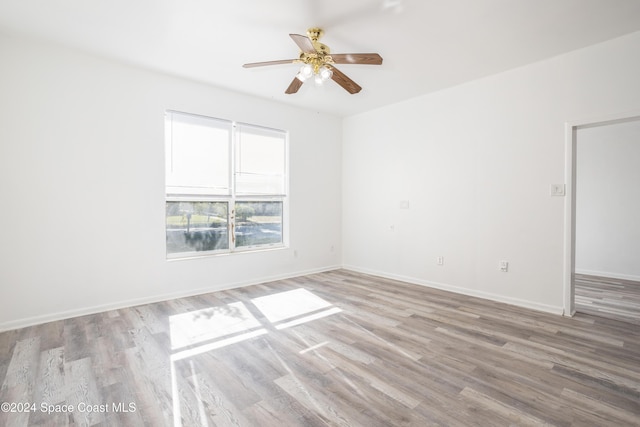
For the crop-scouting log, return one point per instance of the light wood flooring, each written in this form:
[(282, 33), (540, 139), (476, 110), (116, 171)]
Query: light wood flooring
[(330, 349), (606, 297)]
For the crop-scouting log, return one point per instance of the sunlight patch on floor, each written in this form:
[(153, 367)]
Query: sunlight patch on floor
[(209, 324), (290, 308)]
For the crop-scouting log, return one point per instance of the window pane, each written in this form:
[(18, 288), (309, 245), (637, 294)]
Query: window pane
[(260, 161), (197, 154), (196, 226), (258, 223)]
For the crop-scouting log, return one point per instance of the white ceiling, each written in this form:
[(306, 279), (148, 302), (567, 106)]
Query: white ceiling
[(427, 45)]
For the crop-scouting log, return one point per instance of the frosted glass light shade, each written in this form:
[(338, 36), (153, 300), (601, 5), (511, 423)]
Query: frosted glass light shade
[(325, 73), (306, 71)]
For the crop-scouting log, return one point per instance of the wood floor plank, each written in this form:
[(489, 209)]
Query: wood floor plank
[(51, 386), (263, 414), (366, 351), (20, 382), (82, 393), (500, 407)]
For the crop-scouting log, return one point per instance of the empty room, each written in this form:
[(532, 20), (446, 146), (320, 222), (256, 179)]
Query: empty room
[(320, 213)]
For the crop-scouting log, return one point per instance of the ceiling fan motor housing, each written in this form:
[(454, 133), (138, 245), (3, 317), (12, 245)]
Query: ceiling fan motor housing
[(314, 35)]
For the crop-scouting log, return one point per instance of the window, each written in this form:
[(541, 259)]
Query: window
[(226, 186)]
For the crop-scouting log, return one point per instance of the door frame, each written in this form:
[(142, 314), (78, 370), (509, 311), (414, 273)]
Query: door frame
[(571, 141)]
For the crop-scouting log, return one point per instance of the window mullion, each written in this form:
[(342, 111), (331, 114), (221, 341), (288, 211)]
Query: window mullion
[(232, 225), (232, 179)]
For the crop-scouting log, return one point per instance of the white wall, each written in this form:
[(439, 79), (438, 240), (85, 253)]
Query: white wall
[(608, 200), (476, 163), (82, 186)]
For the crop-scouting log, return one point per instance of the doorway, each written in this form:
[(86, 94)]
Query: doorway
[(602, 240)]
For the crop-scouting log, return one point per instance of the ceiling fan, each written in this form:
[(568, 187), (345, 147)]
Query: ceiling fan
[(319, 64)]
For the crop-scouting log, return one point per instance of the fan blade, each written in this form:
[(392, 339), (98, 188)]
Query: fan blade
[(344, 81), (262, 64), (357, 58), (294, 86), (303, 42)]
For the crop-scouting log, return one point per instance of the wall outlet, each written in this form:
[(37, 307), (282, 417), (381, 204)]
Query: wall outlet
[(503, 266), (440, 260)]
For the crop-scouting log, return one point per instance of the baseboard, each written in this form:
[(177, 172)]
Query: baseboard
[(52, 317), (609, 275), (36, 320), (463, 291)]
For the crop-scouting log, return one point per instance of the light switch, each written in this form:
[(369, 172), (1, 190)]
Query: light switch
[(557, 190)]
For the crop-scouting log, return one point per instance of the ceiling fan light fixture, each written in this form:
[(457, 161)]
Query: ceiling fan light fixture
[(306, 71), (325, 73)]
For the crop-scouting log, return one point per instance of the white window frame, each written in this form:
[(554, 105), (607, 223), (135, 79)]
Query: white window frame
[(172, 193)]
